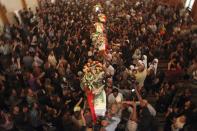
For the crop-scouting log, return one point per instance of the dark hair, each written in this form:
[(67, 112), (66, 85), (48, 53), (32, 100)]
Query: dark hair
[(115, 90)]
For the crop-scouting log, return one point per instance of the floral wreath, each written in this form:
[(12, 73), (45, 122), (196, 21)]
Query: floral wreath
[(93, 77), (99, 40), (102, 17)]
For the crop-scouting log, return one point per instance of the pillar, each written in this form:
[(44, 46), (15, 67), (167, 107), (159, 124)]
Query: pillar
[(3, 15), (24, 4), (194, 11)]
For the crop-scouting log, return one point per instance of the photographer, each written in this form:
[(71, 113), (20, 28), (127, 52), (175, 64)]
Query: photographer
[(132, 122), (145, 115), (115, 97)]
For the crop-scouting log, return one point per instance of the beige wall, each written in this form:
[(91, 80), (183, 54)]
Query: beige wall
[(11, 6), (32, 4), (14, 5)]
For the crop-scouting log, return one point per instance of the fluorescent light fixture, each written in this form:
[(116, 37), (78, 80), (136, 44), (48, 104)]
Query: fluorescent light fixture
[(189, 4)]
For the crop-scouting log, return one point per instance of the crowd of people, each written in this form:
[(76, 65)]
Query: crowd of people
[(42, 58)]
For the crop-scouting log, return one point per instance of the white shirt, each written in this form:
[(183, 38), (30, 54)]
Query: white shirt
[(38, 61), (153, 28), (113, 125), (108, 2), (112, 99), (145, 61), (52, 60), (194, 75), (131, 125), (137, 54), (109, 57), (90, 53), (5, 49), (110, 70)]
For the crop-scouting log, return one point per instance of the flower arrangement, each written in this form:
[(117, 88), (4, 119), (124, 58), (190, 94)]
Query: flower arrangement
[(99, 41), (99, 27), (94, 37), (93, 77), (102, 17)]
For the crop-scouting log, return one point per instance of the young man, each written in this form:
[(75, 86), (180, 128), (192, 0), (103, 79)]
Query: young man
[(115, 97)]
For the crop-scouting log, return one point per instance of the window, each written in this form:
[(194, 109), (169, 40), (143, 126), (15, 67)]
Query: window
[(189, 4)]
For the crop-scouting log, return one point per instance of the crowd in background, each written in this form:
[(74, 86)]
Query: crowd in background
[(41, 59)]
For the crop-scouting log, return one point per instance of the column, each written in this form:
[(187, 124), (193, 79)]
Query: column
[(39, 3), (194, 11), (3, 14), (24, 4)]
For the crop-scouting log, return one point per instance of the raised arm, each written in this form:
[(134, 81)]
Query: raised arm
[(18, 63), (133, 115), (83, 118), (138, 94), (79, 102)]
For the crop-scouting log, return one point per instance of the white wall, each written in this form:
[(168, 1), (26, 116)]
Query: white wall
[(32, 4)]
